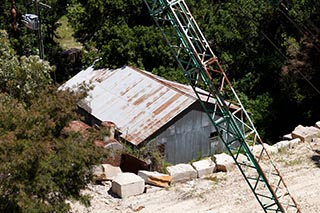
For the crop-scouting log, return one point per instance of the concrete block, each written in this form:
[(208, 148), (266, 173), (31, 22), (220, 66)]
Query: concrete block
[(155, 178), (181, 172), (127, 184), (204, 167)]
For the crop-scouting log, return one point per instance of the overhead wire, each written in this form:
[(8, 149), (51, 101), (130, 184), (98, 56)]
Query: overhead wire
[(277, 48), (297, 26)]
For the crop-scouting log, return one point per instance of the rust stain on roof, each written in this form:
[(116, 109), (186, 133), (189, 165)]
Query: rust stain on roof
[(138, 102), (167, 103), (75, 126)]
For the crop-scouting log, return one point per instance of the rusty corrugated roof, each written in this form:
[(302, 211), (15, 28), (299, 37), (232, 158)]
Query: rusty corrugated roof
[(138, 102)]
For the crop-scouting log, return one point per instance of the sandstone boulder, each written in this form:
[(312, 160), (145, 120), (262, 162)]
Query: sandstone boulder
[(287, 137), (111, 171), (105, 172), (224, 162), (306, 134), (288, 144), (294, 143), (155, 178), (257, 149), (282, 144), (243, 159), (98, 173)]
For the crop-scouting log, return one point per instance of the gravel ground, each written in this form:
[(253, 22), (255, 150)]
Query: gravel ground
[(222, 192)]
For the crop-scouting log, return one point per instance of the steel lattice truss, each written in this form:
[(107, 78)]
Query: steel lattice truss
[(235, 128)]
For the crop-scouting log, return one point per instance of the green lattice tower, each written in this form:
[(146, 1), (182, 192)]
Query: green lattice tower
[(235, 128)]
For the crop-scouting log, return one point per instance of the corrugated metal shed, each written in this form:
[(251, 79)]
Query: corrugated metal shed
[(138, 102)]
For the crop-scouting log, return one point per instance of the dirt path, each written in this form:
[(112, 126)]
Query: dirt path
[(223, 192)]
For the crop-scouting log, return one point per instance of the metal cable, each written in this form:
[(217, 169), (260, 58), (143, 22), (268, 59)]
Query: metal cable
[(277, 48)]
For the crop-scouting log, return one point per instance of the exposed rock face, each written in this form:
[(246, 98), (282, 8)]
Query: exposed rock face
[(127, 184), (155, 178), (181, 172), (204, 167), (282, 144), (306, 134), (224, 162)]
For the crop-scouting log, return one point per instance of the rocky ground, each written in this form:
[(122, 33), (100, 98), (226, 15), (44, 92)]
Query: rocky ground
[(221, 192)]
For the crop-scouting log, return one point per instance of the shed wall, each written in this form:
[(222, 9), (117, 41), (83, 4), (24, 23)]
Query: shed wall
[(188, 138), (185, 138)]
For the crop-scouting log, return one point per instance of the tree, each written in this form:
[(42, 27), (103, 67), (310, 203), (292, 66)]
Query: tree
[(22, 77), (249, 37), (40, 168), (297, 89), (124, 34), (24, 41), (269, 54)]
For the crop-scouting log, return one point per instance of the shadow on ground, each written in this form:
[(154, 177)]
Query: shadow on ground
[(316, 160)]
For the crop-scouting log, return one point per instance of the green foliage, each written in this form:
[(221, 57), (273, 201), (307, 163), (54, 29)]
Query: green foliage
[(123, 35), (22, 77), (260, 111), (303, 10), (6, 50), (26, 41), (272, 60), (64, 35), (41, 169), (170, 73), (251, 39), (148, 152)]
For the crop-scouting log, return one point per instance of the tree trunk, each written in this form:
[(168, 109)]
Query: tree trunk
[(13, 12)]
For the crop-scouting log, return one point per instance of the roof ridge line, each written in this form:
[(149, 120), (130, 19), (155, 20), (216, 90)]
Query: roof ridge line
[(152, 76)]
